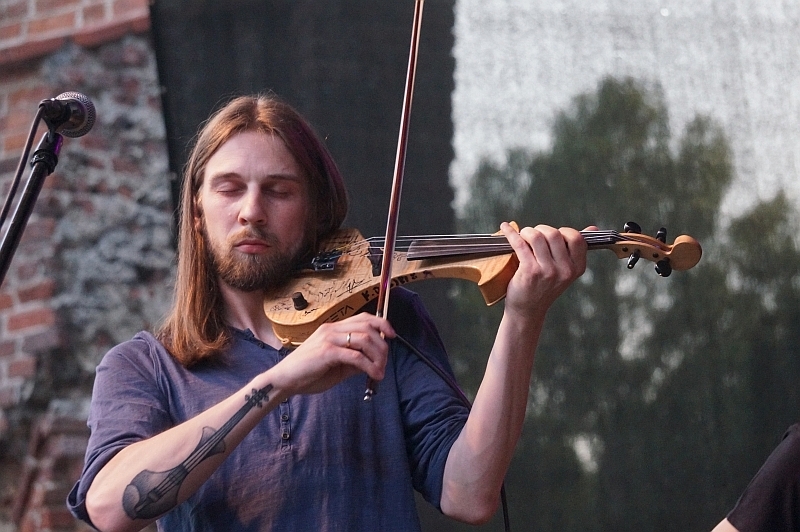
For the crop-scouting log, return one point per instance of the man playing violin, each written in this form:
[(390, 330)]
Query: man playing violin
[(212, 424)]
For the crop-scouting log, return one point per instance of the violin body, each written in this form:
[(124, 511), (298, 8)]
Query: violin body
[(351, 276), (336, 294)]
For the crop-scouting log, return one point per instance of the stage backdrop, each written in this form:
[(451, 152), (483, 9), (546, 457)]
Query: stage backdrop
[(342, 65)]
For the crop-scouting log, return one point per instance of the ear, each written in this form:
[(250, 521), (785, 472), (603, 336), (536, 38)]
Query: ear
[(197, 213)]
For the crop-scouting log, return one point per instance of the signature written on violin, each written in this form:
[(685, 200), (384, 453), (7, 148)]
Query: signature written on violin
[(341, 289)]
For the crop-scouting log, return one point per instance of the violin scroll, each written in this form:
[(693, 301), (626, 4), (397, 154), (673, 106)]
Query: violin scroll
[(682, 255)]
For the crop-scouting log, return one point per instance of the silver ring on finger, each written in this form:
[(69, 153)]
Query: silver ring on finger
[(347, 343)]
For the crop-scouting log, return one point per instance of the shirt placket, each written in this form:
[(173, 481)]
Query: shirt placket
[(285, 414)]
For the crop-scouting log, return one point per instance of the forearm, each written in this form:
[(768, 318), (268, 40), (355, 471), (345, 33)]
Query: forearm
[(478, 461), (549, 261), (149, 477)]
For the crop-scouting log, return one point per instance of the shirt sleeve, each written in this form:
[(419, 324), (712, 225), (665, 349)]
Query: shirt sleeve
[(433, 412), (127, 406), (771, 501)]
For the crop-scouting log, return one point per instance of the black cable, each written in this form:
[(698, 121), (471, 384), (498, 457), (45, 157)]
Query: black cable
[(12, 191), (451, 382)]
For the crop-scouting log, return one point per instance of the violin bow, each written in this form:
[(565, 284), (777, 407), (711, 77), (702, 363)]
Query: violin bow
[(397, 181)]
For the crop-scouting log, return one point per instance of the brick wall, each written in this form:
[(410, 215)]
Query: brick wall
[(95, 262), (30, 29)]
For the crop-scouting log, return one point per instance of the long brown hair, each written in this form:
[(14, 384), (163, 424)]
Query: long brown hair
[(195, 329)]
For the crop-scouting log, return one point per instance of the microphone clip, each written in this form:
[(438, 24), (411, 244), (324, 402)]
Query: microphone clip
[(71, 113)]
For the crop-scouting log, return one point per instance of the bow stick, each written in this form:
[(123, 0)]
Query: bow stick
[(397, 181)]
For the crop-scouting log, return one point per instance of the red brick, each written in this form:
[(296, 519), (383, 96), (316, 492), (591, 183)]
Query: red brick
[(28, 524), (59, 24), (96, 35), (17, 120), (40, 291), (37, 490), (39, 229), (13, 10), (122, 164), (23, 367), (30, 50), (21, 72), (99, 34), (7, 166), (127, 7), (95, 142), (56, 517), (93, 14), (7, 348), (26, 267), (41, 341), (141, 24), (8, 396), (6, 301), (14, 142), (10, 31), (31, 318), (31, 94), (43, 6), (55, 496)]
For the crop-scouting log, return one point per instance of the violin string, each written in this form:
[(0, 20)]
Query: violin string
[(472, 243)]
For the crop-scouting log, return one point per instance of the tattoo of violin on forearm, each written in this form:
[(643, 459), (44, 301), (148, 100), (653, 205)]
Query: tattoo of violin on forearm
[(150, 493)]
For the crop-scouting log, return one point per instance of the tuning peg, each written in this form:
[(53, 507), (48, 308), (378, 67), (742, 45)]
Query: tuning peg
[(633, 259), (661, 235), (632, 227), (663, 268)]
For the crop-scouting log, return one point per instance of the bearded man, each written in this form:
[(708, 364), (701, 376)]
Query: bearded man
[(212, 424)]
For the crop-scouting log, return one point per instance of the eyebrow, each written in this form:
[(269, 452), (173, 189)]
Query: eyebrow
[(214, 178)]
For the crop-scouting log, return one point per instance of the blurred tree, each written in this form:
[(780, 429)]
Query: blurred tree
[(653, 400)]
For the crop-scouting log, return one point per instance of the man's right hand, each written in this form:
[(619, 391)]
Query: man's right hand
[(334, 352)]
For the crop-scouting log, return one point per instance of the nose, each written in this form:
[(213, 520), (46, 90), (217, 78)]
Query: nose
[(252, 211)]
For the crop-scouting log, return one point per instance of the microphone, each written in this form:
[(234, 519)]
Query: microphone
[(71, 113)]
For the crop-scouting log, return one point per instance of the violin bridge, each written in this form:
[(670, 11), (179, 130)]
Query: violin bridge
[(375, 257)]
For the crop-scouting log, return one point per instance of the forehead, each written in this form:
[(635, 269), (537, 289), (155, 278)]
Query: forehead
[(252, 154)]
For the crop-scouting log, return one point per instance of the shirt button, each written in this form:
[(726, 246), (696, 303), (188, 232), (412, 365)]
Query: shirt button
[(285, 435), (284, 417)]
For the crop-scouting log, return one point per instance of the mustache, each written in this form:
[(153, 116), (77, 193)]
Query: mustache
[(253, 233)]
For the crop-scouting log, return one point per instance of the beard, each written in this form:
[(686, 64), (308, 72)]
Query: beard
[(248, 272)]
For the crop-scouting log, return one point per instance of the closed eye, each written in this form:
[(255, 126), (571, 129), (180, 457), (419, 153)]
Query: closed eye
[(282, 188), (230, 190), (227, 184)]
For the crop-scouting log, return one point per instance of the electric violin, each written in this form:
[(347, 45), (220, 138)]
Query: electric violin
[(345, 274)]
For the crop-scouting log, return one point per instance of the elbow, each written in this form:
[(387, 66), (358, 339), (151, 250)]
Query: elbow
[(474, 511), (106, 515), (479, 516), (98, 516)]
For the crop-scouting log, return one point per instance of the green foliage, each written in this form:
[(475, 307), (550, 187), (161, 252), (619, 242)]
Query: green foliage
[(678, 387)]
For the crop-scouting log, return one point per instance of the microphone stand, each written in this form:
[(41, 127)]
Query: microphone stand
[(44, 161)]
